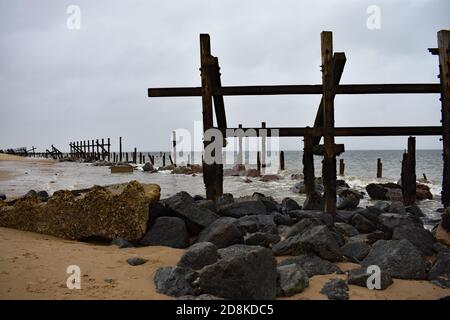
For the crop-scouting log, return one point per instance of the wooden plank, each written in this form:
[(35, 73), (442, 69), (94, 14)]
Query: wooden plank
[(390, 88), (444, 74), (338, 69), (329, 160), (351, 131)]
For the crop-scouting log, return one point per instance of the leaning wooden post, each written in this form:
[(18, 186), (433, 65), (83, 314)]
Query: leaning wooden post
[(98, 150), (211, 176), (329, 161), (341, 167), (281, 160), (444, 75), (308, 166), (174, 147), (379, 168), (120, 149)]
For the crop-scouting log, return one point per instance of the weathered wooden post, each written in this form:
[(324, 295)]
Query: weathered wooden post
[(379, 168), (409, 173), (281, 160), (308, 166), (444, 75), (258, 162), (329, 160), (341, 167), (140, 157), (240, 158), (120, 149), (263, 145), (174, 147), (135, 155), (103, 149), (212, 173), (164, 159)]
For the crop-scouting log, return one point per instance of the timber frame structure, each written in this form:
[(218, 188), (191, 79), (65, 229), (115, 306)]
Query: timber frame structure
[(212, 93)]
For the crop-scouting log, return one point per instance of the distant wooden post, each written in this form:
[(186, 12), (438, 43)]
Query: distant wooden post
[(141, 157), (263, 146), (174, 147), (120, 149), (341, 167), (444, 75), (93, 149), (329, 161), (109, 149), (98, 150), (240, 158), (281, 160), (164, 159), (103, 149), (126, 157), (170, 159), (135, 155), (379, 168), (409, 173), (258, 161), (308, 166)]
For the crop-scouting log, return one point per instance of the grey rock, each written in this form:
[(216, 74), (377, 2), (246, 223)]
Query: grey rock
[(243, 208), (281, 219), (288, 204), (292, 279), (256, 223), (335, 289), (2, 196), (440, 271), (370, 238), (223, 233), (31, 193), (122, 243), (439, 247), (167, 231), (303, 225), (348, 199), (207, 204), (345, 229), (249, 274), (362, 224), (195, 216), (175, 281), (226, 198), (136, 261), (148, 167), (398, 257), (302, 214), (356, 251), (397, 207), (199, 255), (359, 278), (42, 195), (236, 250), (389, 221), (314, 202), (312, 264), (420, 237), (415, 211), (382, 205), (318, 240), (262, 239), (270, 203)]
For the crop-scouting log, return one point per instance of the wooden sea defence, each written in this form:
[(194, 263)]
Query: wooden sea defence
[(212, 92)]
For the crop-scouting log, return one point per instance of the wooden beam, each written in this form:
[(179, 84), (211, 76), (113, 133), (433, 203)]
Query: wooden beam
[(329, 160), (339, 64), (444, 75), (397, 88)]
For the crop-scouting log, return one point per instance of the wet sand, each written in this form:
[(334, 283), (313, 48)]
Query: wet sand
[(33, 266), (32, 162)]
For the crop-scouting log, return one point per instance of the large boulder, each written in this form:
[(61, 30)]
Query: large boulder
[(288, 204), (116, 211), (385, 191), (363, 224), (302, 226), (440, 272), (243, 208), (345, 229), (359, 277), (223, 233), (148, 167), (356, 251), (390, 221), (262, 239), (335, 289), (348, 199), (398, 257), (420, 237), (326, 218), (199, 255), (318, 240), (167, 231), (257, 223), (292, 279), (243, 274), (184, 206), (175, 281), (312, 264), (314, 202)]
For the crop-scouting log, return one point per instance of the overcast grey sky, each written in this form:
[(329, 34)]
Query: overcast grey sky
[(59, 85)]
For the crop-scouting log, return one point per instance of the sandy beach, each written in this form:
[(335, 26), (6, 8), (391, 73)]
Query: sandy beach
[(33, 266)]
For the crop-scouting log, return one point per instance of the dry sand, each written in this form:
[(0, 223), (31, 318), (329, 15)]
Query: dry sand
[(33, 266)]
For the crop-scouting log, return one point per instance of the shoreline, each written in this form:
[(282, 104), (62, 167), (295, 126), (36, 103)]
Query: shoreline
[(33, 266)]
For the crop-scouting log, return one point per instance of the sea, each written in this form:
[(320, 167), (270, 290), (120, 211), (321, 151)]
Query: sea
[(360, 170)]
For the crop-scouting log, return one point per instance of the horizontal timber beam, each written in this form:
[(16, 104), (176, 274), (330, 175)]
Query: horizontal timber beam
[(351, 131), (400, 88)]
